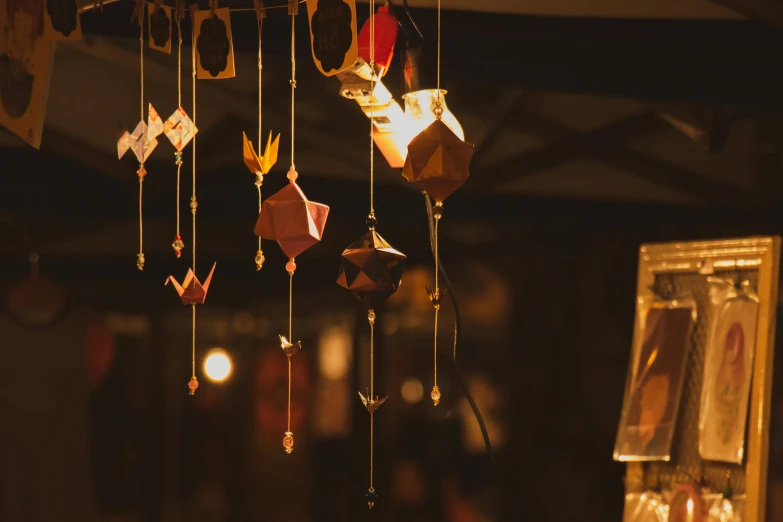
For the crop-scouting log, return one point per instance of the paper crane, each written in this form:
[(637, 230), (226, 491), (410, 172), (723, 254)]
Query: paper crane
[(179, 129), (289, 348), (263, 163), (371, 404), (192, 291)]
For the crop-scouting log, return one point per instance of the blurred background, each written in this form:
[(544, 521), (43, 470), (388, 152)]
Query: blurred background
[(596, 129)]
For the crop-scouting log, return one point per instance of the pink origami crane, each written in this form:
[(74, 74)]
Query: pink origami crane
[(192, 291), (179, 129)]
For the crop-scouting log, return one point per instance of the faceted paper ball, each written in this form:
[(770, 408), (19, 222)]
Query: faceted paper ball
[(371, 269), (291, 220), (438, 161)]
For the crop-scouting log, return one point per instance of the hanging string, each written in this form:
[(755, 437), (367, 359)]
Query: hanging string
[(435, 297), (373, 80), (141, 172), (293, 83), (193, 202), (260, 176), (178, 245), (371, 320)]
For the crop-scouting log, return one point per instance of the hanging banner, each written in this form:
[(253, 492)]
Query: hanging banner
[(25, 69), (159, 27), (61, 20), (333, 34), (214, 47)]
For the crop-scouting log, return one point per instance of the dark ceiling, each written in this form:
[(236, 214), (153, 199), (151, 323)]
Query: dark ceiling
[(565, 114)]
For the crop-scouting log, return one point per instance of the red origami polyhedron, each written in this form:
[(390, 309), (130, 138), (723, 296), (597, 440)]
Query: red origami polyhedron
[(291, 220), (371, 269), (438, 161)]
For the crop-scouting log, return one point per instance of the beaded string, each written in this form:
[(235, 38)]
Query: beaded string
[(193, 208), (259, 175), (178, 244), (142, 171), (289, 350), (371, 221), (438, 211)]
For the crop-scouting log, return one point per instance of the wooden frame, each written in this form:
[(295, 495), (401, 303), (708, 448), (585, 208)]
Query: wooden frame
[(706, 257)]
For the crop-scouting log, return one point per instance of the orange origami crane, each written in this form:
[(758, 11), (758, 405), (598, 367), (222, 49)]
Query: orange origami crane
[(192, 291), (263, 163)]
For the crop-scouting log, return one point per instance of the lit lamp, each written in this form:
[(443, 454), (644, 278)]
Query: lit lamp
[(217, 365), (393, 129)]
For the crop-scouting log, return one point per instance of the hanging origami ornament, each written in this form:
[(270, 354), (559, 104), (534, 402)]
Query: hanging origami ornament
[(180, 130), (143, 139), (437, 163), (371, 270), (192, 292), (296, 224), (260, 163)]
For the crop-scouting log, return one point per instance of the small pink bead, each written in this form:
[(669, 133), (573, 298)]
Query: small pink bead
[(193, 384), (290, 267), (292, 175)]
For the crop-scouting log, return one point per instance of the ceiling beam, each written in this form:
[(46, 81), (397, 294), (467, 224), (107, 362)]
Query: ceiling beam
[(608, 145), (768, 11)]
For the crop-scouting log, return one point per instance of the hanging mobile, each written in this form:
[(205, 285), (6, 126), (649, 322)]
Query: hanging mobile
[(192, 291), (143, 139), (179, 128), (438, 163), (260, 163), (295, 223), (371, 269)]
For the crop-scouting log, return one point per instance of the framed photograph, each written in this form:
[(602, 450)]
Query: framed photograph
[(690, 266), (728, 367), (654, 385)]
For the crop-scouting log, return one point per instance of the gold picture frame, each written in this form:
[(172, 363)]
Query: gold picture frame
[(691, 261)]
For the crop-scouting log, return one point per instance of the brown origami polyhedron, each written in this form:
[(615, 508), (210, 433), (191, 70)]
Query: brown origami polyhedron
[(371, 269), (192, 291), (438, 161), (291, 220)]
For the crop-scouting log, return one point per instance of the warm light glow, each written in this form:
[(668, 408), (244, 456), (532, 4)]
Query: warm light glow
[(412, 390), (420, 112), (217, 365), (334, 352)]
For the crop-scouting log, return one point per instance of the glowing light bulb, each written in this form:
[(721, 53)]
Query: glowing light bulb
[(420, 112), (217, 365)]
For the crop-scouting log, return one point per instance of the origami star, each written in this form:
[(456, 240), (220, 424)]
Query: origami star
[(371, 269), (192, 291), (179, 129), (291, 220), (261, 164), (438, 161)]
